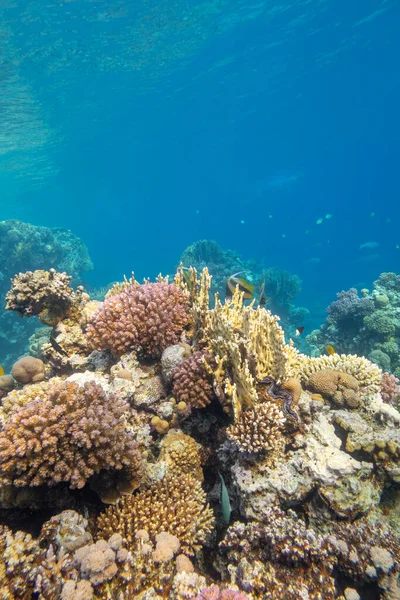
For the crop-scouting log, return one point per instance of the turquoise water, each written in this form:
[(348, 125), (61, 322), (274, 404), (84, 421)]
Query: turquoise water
[(146, 126)]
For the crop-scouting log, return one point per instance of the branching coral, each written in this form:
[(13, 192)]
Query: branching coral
[(149, 318), (258, 430), (176, 505), (19, 555), (192, 381), (68, 436), (390, 388)]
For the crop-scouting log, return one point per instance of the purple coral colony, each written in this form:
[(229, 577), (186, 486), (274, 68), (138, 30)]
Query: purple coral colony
[(159, 442)]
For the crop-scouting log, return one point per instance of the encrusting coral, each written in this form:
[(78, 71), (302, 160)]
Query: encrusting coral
[(68, 436), (148, 318), (176, 505)]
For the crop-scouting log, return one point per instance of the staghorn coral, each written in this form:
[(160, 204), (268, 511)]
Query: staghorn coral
[(191, 381), (68, 436), (28, 369), (176, 505), (148, 317), (46, 294), (258, 430)]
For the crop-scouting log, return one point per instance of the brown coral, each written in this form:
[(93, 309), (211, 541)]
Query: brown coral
[(337, 386), (192, 383), (258, 430), (46, 294), (148, 317), (68, 436), (28, 369), (176, 505)]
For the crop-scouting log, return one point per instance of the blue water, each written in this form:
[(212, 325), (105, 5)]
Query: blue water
[(145, 126)]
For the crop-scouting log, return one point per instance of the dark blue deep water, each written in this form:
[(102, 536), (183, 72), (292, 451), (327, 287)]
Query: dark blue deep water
[(144, 126)]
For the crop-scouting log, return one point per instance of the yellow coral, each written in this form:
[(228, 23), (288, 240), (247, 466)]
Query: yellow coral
[(176, 505)]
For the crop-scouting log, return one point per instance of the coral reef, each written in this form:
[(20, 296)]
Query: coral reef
[(368, 325), (196, 430), (148, 317)]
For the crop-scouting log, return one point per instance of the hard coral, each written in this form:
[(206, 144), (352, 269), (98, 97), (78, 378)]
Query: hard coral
[(68, 436), (390, 388), (46, 294), (192, 382), (216, 593), (176, 505), (258, 430), (28, 369), (338, 386), (19, 554), (148, 317)]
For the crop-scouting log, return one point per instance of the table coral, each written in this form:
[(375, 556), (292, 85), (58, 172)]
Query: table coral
[(68, 436), (148, 317), (176, 505)]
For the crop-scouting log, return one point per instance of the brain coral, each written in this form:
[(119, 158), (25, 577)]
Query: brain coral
[(28, 369), (338, 386), (68, 436), (176, 505), (192, 383), (148, 317)]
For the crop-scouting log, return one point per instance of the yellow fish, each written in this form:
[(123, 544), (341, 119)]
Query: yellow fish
[(330, 350), (244, 286), (1, 371)]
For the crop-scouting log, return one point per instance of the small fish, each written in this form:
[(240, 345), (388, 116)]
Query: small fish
[(397, 247), (186, 276), (242, 222), (58, 347), (369, 245), (244, 286), (262, 299), (225, 501), (330, 350), (328, 216), (372, 214), (319, 221), (1, 371), (299, 330)]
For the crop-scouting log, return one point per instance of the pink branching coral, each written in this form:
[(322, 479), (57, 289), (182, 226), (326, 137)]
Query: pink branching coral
[(67, 437), (192, 383), (216, 593), (148, 317), (390, 388)]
